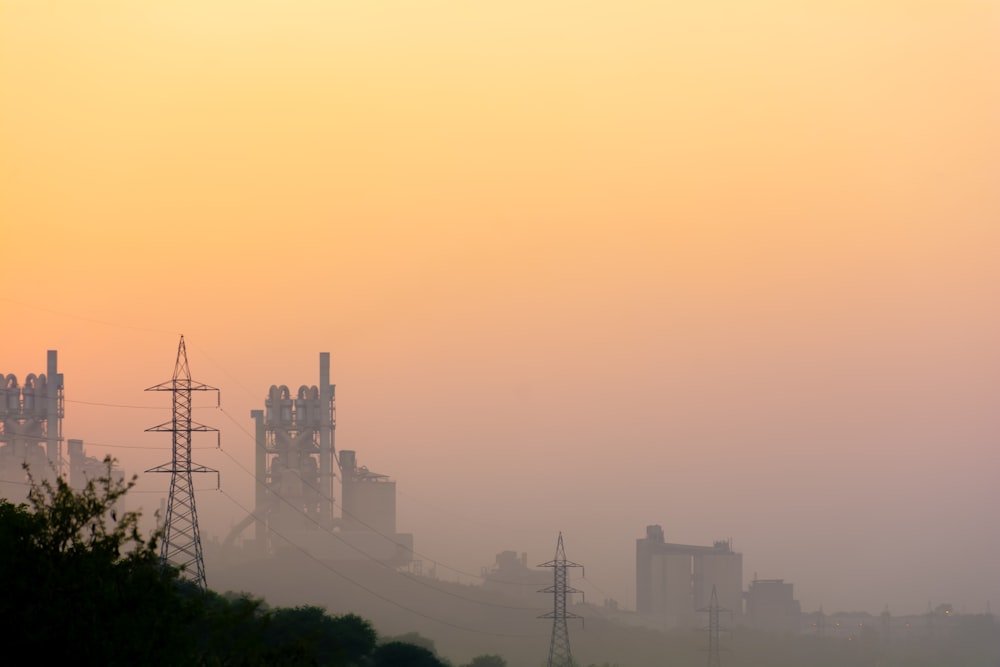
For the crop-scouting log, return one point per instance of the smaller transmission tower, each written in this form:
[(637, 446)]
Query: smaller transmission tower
[(820, 623), (181, 544), (714, 630), (559, 651)]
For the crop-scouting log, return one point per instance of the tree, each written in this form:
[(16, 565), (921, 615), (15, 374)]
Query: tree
[(487, 660), (402, 654), (236, 629), (414, 638), (82, 584), (329, 640)]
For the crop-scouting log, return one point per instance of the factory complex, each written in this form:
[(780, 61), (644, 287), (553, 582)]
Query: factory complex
[(311, 498)]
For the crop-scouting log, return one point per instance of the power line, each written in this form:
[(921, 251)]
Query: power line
[(233, 377), (357, 519), (368, 590), (347, 543), (475, 522), (248, 434), (423, 556), (596, 587), (106, 444), (39, 438), (120, 405), (367, 525), (214, 488)]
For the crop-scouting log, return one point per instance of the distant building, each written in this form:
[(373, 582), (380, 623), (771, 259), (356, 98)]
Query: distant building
[(676, 580), (941, 621), (297, 463), (511, 576), (30, 429), (31, 414), (83, 468), (771, 606)]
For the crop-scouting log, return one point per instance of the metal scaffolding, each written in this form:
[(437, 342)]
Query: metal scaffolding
[(181, 544)]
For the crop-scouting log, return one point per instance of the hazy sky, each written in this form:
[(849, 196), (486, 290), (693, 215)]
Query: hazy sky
[(730, 267)]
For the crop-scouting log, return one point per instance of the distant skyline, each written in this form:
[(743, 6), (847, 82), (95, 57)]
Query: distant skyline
[(729, 269)]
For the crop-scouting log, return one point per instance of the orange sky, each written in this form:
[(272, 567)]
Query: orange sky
[(729, 267)]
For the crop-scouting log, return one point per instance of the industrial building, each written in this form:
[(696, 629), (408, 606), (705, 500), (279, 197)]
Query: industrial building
[(296, 464), (30, 429), (31, 433), (939, 621), (511, 576), (771, 606), (673, 581), (83, 468)]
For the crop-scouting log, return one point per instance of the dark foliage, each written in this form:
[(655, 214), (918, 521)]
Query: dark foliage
[(401, 654), (82, 585)]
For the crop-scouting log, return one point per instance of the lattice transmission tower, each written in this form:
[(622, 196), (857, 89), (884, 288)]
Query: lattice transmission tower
[(560, 654), (181, 544), (714, 630)]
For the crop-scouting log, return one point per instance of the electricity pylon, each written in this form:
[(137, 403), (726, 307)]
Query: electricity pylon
[(714, 629), (181, 544), (559, 651)]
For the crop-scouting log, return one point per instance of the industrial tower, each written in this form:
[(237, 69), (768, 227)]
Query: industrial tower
[(181, 545), (296, 465), (30, 429), (295, 456), (559, 651)]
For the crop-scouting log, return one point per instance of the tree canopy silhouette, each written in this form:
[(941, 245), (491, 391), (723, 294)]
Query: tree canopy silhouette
[(82, 585)]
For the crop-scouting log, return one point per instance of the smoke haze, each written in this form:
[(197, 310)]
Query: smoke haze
[(579, 267)]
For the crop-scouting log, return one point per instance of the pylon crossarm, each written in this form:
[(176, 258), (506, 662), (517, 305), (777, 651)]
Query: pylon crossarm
[(164, 427), (195, 426), (556, 563), (181, 385)]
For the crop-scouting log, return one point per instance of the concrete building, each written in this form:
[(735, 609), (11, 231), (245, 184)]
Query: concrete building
[(674, 581), (368, 499), (771, 606), (368, 514)]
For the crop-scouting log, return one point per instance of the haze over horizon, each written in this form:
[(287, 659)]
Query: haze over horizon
[(730, 270)]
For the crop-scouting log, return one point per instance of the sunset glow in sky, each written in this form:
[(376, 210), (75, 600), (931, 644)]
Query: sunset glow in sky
[(730, 267)]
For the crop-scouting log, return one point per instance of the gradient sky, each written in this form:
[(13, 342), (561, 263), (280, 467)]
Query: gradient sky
[(728, 267)]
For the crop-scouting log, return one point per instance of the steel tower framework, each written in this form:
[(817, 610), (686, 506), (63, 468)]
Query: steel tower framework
[(181, 544), (714, 630), (560, 654)]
